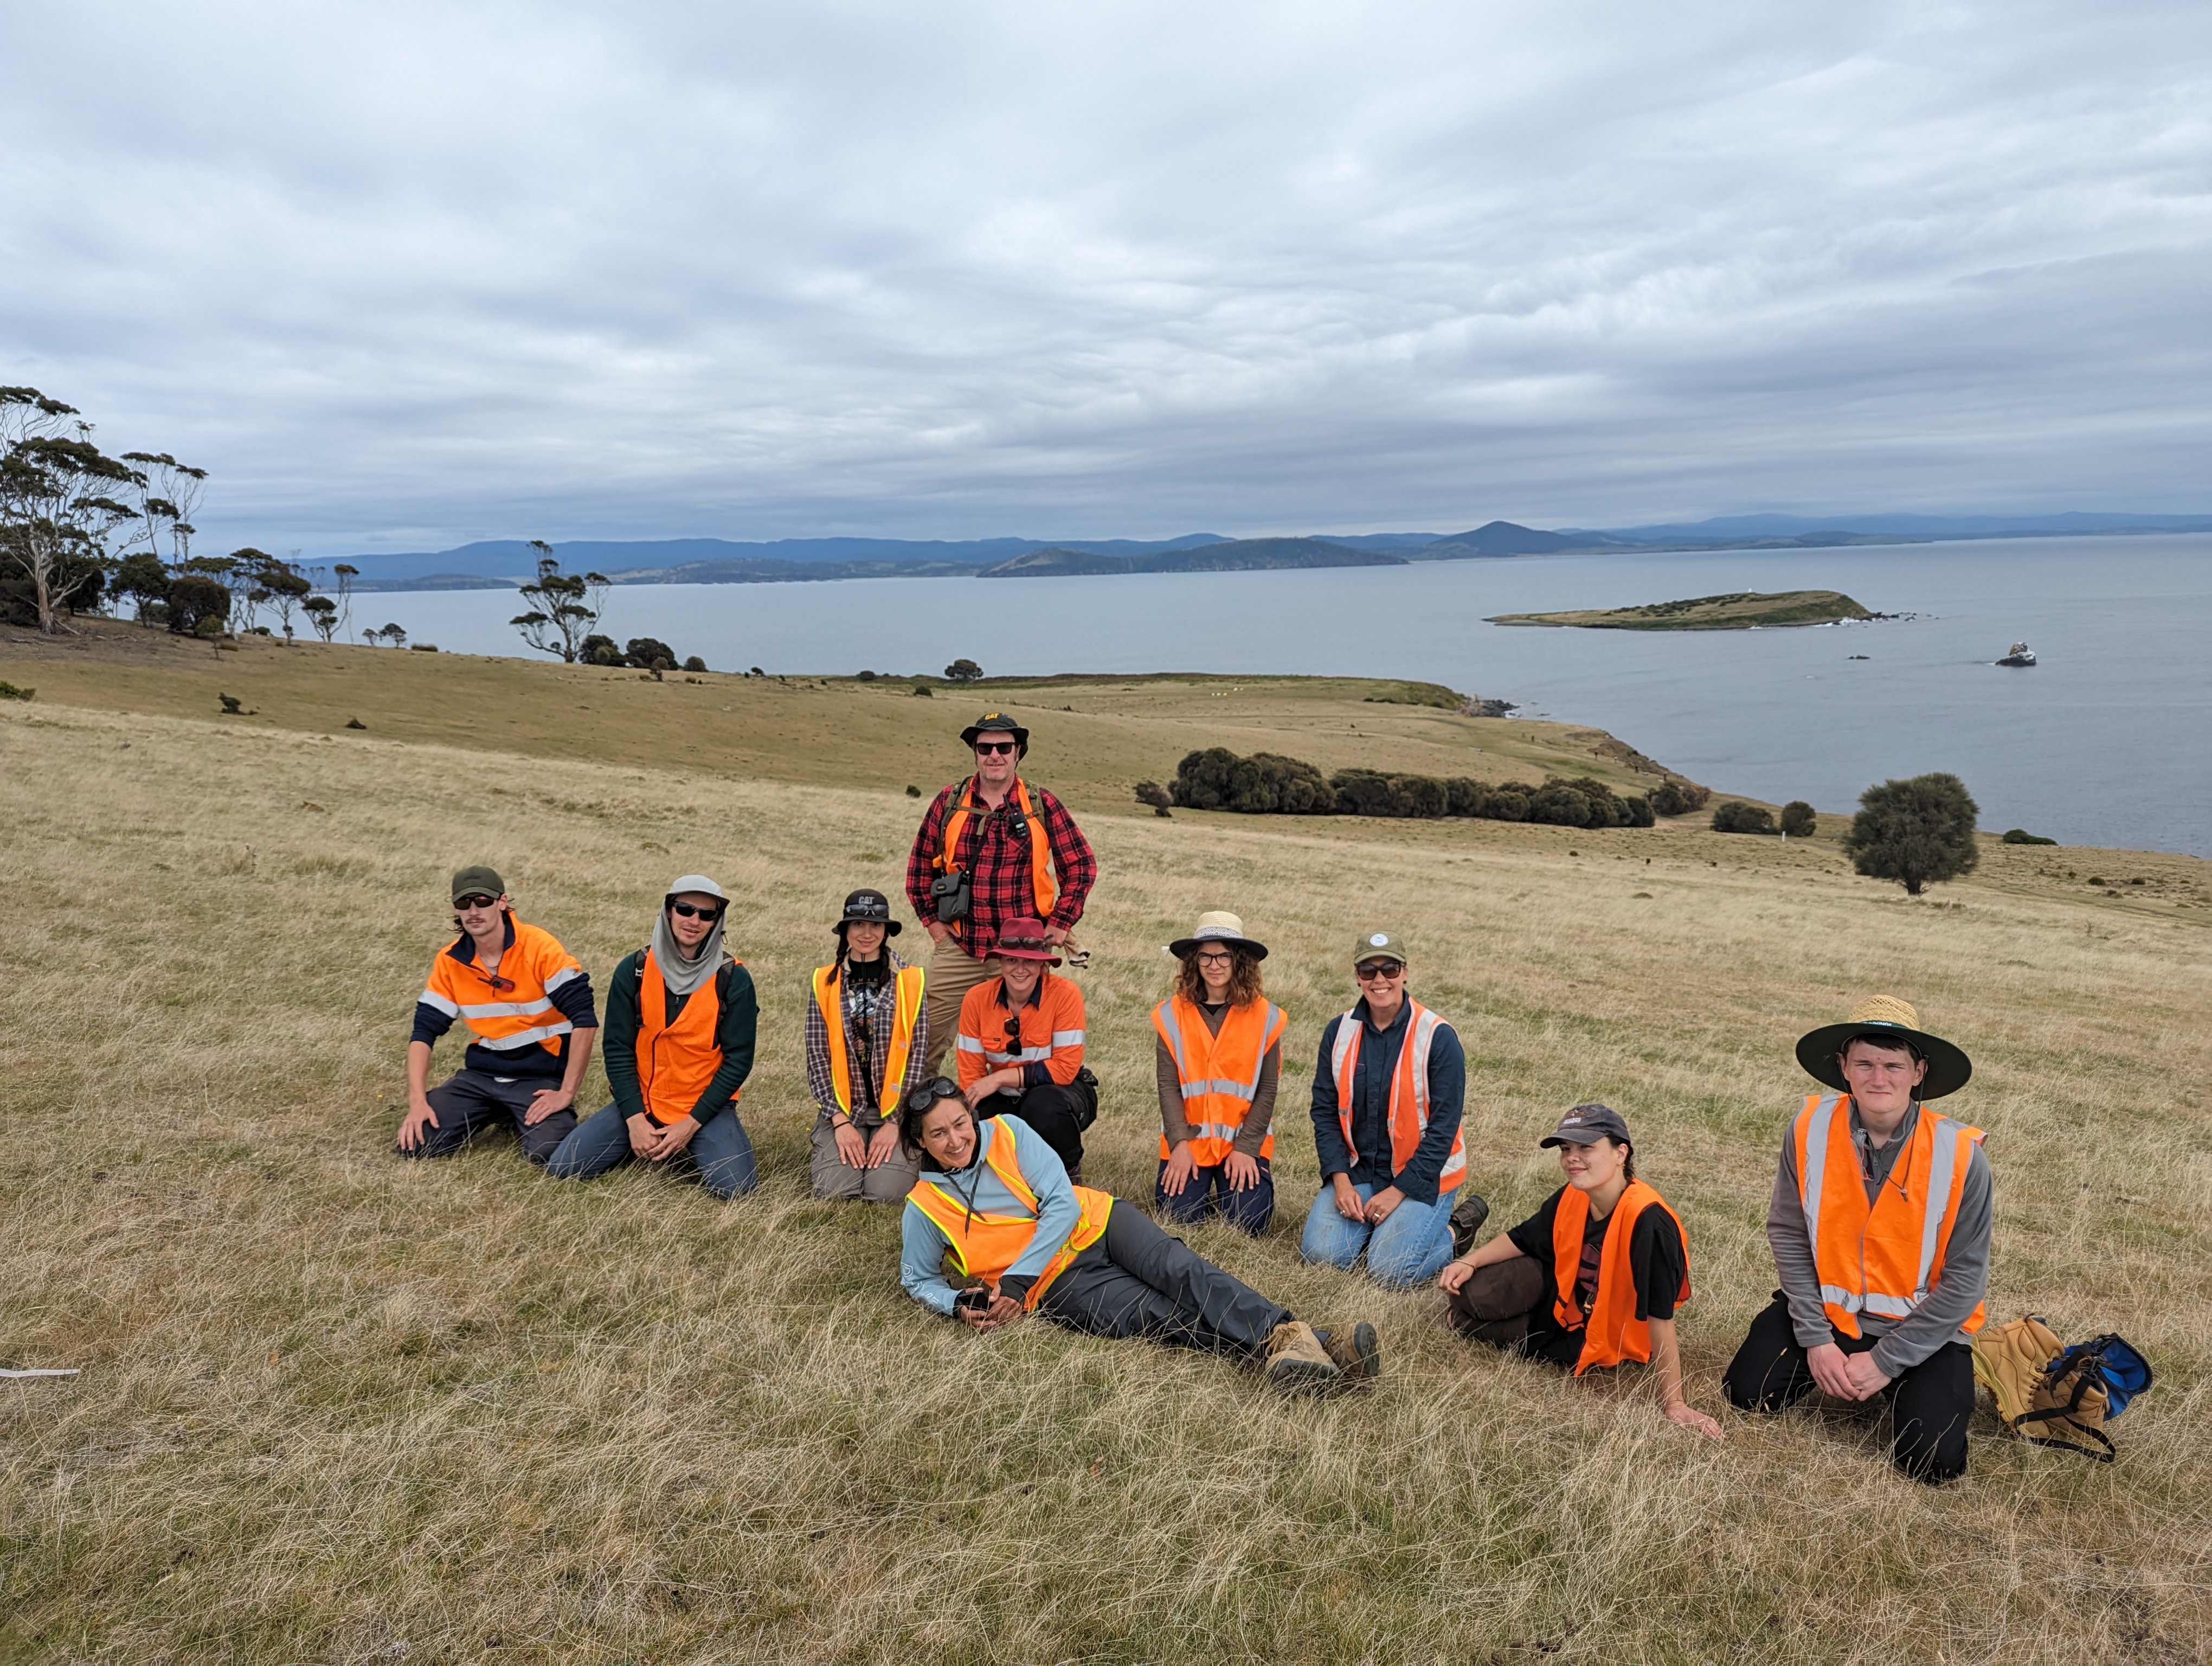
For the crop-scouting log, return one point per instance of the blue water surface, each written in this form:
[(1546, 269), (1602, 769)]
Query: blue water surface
[(2105, 742)]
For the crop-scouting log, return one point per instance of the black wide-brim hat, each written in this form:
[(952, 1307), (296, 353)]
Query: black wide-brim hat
[(1819, 1051), (996, 723), (868, 908)]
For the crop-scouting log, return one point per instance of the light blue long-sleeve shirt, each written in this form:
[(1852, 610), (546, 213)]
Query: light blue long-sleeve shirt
[(922, 1244)]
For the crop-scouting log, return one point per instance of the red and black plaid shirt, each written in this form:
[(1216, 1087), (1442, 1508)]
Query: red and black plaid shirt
[(994, 848)]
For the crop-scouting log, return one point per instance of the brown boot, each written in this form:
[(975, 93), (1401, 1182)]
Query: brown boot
[(1356, 1352), (1296, 1361)]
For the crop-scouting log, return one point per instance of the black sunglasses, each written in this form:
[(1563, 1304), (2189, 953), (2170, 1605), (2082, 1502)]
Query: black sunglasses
[(1001, 747), (1378, 968), (474, 900), (710, 915), (929, 1092)]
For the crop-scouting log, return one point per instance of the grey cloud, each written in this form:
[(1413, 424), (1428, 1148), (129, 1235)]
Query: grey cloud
[(403, 275)]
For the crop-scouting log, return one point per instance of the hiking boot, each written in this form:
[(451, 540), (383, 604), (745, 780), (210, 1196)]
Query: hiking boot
[(1296, 1362), (1357, 1355), (1466, 1218)]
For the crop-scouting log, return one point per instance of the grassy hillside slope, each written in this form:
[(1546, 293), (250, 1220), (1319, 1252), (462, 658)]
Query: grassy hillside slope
[(336, 1407)]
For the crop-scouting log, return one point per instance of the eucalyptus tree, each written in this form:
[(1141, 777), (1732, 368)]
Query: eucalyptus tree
[(59, 503), (564, 607)]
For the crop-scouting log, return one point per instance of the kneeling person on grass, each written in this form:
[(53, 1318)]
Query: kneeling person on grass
[(1593, 1278), (866, 1030), (1879, 1225), (527, 1004), (1220, 1057), (994, 1198), (681, 1017), (1388, 1090), (1020, 1045)]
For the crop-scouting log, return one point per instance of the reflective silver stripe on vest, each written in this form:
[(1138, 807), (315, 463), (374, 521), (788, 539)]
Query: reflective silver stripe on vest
[(1171, 1033), (1816, 1161), (509, 1043), (1347, 1036), (968, 1044), (560, 976), (1943, 1157), (433, 999), (1835, 1296), (1223, 1131), (506, 1009), (1027, 1056), (1068, 1038)]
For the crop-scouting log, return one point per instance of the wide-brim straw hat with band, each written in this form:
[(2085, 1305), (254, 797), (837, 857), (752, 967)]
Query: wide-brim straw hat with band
[(1219, 925), (1025, 939), (1821, 1051), (868, 908)]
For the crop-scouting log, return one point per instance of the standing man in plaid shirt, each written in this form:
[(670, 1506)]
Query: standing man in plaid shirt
[(992, 850)]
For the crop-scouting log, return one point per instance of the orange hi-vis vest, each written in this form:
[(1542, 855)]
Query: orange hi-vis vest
[(1878, 1258), (675, 1061), (985, 1244), (1041, 879), (906, 988), (1219, 1074), (1409, 1092), (506, 1019), (1611, 1331)]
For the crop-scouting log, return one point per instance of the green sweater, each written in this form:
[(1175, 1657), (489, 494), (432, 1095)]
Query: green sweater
[(734, 1034)]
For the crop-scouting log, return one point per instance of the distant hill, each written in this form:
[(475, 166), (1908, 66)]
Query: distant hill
[(1231, 556), (1503, 538)]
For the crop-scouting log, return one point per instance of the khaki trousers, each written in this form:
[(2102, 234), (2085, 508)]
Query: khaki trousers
[(952, 973)]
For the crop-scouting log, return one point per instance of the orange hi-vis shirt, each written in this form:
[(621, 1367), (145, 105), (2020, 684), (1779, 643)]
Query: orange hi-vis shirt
[(1612, 1332), (1050, 1031), (1220, 1074), (1880, 1258), (520, 1018)]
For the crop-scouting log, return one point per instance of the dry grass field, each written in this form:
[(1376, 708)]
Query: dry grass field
[(337, 1408)]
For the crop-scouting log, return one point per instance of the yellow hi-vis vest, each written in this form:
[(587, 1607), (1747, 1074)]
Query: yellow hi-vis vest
[(985, 1244), (906, 988)]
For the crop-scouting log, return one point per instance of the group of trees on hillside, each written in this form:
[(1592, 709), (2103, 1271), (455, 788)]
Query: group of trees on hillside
[(1267, 783), (563, 617), (81, 530), (1917, 831)]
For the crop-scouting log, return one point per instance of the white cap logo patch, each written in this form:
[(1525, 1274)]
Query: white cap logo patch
[(1379, 940)]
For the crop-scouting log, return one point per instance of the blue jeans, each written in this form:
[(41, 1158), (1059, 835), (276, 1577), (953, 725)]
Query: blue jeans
[(722, 1149), (1208, 1191), (1408, 1249)]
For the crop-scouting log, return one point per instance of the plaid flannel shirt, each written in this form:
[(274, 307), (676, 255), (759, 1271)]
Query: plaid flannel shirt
[(879, 1052), (994, 848)]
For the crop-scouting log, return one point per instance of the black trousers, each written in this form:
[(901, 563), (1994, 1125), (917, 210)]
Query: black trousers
[(1138, 1281), (1930, 1404), (469, 1102), (1059, 1114)]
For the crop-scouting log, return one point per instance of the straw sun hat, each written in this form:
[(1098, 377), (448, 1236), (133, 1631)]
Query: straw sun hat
[(1821, 1050), (1219, 925)]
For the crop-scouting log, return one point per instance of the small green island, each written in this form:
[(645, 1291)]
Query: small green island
[(1745, 610)]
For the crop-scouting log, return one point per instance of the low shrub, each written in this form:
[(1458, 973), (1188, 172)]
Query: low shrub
[(422, 647), (1268, 784), (1151, 792), (862, 677), (1798, 820), (9, 692), (922, 689), (694, 663), (1733, 818), (649, 654), (2021, 836), (1678, 798), (1264, 784)]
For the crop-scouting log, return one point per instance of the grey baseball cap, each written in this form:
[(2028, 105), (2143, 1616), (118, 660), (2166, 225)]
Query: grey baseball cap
[(1585, 1125)]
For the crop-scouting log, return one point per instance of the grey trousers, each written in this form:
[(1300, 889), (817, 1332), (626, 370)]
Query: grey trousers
[(469, 1102), (833, 1180), (1138, 1281)]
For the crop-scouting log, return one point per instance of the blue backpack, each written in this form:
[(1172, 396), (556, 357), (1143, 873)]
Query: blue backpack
[(2126, 1372)]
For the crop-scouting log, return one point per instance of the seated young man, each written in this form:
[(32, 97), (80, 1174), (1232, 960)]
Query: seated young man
[(528, 1007), (1020, 1045)]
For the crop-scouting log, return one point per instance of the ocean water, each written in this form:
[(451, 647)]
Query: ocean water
[(2107, 741)]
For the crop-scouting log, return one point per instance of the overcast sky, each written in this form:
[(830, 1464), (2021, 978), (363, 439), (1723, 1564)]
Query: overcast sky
[(404, 275)]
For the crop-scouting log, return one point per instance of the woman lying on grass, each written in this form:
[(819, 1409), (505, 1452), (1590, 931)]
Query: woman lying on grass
[(1593, 1276), (996, 1199)]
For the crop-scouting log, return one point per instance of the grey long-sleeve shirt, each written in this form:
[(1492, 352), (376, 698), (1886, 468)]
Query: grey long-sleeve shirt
[(1961, 1282)]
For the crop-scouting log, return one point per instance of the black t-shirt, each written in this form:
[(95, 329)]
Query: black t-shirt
[(1656, 1261)]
